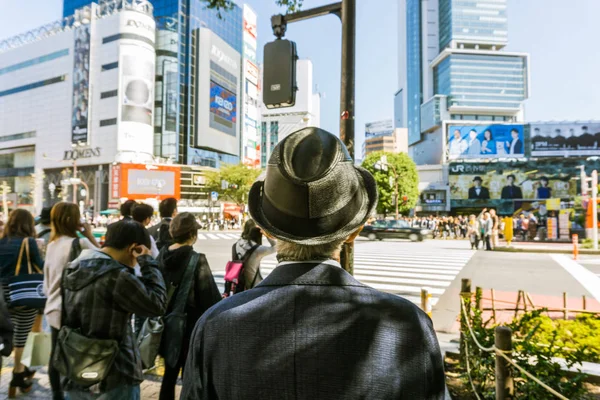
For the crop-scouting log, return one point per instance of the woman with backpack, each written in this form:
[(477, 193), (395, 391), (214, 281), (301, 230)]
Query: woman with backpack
[(19, 233), (199, 293), (64, 247), (251, 241)]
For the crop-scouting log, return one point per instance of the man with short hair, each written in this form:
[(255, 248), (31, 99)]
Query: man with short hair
[(126, 208), (160, 232), (477, 191), (310, 330), (101, 292), (43, 229), (511, 191)]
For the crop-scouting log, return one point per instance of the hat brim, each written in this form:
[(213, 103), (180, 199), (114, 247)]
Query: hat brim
[(361, 216)]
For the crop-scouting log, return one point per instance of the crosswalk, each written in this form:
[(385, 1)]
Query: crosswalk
[(218, 236), (400, 270)]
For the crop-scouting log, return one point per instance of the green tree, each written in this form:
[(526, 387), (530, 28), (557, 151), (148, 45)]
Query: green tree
[(408, 181), (226, 5), (239, 179)]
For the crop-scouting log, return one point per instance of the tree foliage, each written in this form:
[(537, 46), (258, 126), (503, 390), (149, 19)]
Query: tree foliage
[(239, 179), (221, 6), (408, 181)]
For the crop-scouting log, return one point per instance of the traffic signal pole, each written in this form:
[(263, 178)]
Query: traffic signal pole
[(346, 11)]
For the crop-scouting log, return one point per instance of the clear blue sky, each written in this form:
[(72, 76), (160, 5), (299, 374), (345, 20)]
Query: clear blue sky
[(560, 36)]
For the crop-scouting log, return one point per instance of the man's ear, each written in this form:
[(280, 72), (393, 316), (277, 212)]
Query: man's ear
[(354, 235)]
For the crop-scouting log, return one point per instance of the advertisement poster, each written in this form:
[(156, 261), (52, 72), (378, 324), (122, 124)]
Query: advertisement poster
[(223, 107), (552, 228), (138, 90), (137, 182), (379, 128), (170, 100), (518, 180), (564, 223), (565, 139), (81, 85), (485, 141)]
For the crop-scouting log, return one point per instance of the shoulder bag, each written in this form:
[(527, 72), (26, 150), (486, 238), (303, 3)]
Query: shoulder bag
[(234, 273), (175, 321), (82, 360), (27, 290)]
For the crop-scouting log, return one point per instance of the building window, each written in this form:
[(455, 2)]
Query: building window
[(34, 61), (274, 131), (17, 136), (108, 122), (110, 93), (107, 67), (33, 85)]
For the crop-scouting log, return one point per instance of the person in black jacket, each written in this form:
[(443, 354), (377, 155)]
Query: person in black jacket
[(160, 232), (101, 292), (477, 191), (173, 261), (511, 191)]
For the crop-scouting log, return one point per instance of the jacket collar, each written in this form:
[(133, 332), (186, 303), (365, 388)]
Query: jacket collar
[(316, 273)]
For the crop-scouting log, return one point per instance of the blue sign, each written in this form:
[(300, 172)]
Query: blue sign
[(485, 141), (214, 196)]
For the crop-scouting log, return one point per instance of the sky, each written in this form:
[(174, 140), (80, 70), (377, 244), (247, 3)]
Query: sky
[(560, 36)]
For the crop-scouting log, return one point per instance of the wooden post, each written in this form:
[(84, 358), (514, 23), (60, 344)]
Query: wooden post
[(530, 301), (465, 298), (524, 300), (504, 379), (565, 309), (493, 305), (478, 296), (518, 302), (584, 302), (426, 301)]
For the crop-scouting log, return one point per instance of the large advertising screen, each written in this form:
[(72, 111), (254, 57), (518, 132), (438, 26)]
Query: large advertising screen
[(535, 180), (81, 85), (565, 139), (485, 141), (222, 109), (138, 182)]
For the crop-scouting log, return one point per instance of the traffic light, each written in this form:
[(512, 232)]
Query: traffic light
[(279, 77)]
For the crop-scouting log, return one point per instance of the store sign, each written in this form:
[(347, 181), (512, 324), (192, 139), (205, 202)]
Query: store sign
[(219, 56), (140, 24), (563, 139), (252, 72), (76, 154), (198, 180), (137, 182)]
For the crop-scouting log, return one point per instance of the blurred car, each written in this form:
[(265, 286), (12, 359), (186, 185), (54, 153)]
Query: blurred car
[(394, 229)]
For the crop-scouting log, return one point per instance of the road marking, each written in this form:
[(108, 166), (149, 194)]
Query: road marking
[(211, 236), (223, 236), (201, 237), (585, 277)]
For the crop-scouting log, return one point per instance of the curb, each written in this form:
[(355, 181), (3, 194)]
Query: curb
[(548, 251)]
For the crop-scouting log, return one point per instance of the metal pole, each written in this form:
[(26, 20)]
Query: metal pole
[(595, 209), (465, 298), (348, 16), (396, 191), (504, 380), (74, 184)]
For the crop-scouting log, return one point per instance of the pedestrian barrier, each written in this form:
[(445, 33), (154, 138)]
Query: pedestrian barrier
[(575, 246), (426, 301)]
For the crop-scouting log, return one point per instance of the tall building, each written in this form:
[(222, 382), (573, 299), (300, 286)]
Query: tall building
[(278, 123), (202, 105), (382, 136), (456, 82)]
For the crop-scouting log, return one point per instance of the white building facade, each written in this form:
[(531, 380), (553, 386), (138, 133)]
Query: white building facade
[(76, 97)]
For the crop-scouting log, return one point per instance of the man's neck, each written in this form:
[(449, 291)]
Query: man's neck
[(117, 255)]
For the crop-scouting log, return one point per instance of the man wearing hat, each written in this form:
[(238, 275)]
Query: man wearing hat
[(43, 229), (477, 191), (310, 330)]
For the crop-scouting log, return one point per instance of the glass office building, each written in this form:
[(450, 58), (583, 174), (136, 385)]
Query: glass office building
[(482, 81), (473, 22), (177, 23), (414, 76)]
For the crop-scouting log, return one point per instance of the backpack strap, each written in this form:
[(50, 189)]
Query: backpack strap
[(44, 232), (186, 284), (75, 249)]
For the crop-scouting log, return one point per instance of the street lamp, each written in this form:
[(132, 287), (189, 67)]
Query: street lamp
[(383, 165)]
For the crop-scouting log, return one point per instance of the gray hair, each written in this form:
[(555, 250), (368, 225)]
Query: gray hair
[(287, 251)]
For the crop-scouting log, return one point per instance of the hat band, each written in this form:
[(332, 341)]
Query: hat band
[(313, 227)]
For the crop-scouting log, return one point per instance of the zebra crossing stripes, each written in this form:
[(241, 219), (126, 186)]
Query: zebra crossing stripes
[(403, 272), (218, 236)]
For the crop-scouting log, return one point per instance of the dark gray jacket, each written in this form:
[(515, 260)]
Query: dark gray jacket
[(100, 295), (311, 331)]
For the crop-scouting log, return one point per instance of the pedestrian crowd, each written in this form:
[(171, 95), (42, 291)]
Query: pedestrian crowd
[(309, 330)]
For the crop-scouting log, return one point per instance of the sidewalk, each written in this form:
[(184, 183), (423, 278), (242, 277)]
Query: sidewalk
[(543, 247), (150, 388)]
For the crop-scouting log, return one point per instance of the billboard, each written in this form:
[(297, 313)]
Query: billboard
[(563, 139), (251, 76), (139, 182), (534, 180), (136, 94), (223, 108), (485, 141), (81, 84), (379, 128)]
